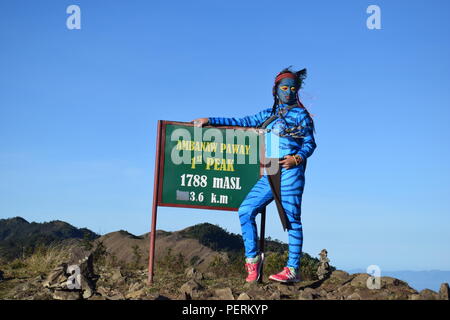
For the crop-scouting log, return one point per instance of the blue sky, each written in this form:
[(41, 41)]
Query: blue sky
[(79, 108)]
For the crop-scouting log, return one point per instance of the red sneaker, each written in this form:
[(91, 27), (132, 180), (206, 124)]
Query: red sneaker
[(254, 270), (285, 276)]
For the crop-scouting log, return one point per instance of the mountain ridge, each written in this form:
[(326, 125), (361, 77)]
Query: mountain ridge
[(19, 237), (418, 279), (211, 259)]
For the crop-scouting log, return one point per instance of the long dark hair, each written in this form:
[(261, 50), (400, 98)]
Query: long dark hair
[(300, 76)]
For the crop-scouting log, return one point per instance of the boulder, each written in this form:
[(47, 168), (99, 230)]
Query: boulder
[(360, 280), (444, 292), (382, 295), (389, 281), (224, 294), (286, 290), (354, 296), (87, 288), (255, 291), (135, 286), (244, 296), (97, 297), (427, 294), (333, 296), (340, 275), (57, 278), (116, 296), (136, 294), (192, 273), (346, 290), (307, 294), (157, 297), (370, 294), (103, 291), (117, 277), (322, 292), (191, 289), (335, 280), (276, 295), (39, 278), (184, 296), (251, 285), (77, 273), (66, 295)]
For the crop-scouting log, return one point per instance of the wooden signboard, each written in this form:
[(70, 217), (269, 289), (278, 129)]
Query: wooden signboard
[(204, 167)]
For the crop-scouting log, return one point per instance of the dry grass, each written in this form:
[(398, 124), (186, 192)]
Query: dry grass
[(41, 262)]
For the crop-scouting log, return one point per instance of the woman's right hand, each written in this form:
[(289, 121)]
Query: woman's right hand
[(200, 122)]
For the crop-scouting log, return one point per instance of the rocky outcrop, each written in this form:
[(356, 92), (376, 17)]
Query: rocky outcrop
[(324, 267), (17, 234), (128, 248), (117, 284), (244, 296), (190, 290), (192, 273), (444, 292), (74, 275), (224, 294), (94, 275), (66, 295), (307, 294), (427, 294)]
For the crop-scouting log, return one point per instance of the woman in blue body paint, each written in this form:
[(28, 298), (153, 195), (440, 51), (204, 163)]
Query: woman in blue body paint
[(290, 140)]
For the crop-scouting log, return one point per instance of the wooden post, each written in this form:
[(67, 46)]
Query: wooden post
[(262, 239), (151, 255), (157, 193)]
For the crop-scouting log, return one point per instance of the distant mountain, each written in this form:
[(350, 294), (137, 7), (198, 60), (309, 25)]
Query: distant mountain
[(201, 243), (128, 249), (419, 280), (208, 257), (18, 236), (218, 239)]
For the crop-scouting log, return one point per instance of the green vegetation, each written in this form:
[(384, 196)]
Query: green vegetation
[(172, 263), (218, 239), (137, 256), (40, 262), (27, 258), (87, 242), (214, 237), (19, 238), (100, 254)]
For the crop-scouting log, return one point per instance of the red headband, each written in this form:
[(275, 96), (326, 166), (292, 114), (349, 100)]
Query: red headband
[(285, 75)]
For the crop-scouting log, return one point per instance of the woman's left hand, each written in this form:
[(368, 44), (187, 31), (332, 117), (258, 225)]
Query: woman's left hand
[(288, 162)]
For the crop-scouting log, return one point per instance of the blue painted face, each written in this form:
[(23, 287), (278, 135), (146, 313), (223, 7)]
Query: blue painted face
[(287, 91)]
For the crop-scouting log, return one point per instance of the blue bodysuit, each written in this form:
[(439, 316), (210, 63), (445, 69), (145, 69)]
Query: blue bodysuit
[(290, 135)]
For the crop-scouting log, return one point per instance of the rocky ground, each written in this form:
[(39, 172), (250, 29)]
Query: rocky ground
[(114, 267), (102, 281)]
